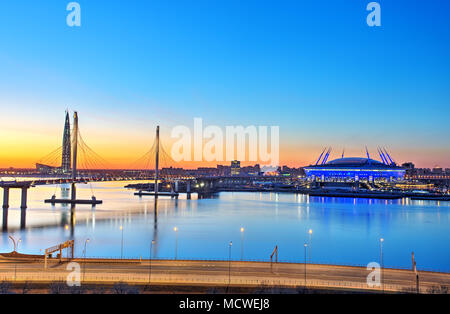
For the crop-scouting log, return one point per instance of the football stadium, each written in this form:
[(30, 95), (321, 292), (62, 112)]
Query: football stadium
[(355, 168)]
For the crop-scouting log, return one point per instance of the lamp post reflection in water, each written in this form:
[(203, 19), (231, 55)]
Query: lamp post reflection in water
[(382, 265), (121, 249), (85, 251), (310, 233), (150, 262), (242, 244), (176, 241), (306, 245), (229, 263)]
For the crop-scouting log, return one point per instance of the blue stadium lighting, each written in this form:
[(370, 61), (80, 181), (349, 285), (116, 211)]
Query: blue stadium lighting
[(356, 168)]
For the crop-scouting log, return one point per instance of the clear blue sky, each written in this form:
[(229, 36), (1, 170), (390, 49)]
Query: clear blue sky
[(312, 67)]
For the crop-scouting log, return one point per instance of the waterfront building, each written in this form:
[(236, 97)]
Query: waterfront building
[(355, 169), (235, 168)]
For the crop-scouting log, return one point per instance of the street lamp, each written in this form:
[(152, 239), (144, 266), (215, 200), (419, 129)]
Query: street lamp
[(85, 251), (229, 263), (242, 244), (85, 246), (306, 245), (150, 267), (176, 241), (121, 247), (16, 244), (15, 265), (382, 265), (310, 233)]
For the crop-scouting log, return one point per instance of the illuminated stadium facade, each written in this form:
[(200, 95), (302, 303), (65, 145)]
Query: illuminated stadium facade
[(355, 168)]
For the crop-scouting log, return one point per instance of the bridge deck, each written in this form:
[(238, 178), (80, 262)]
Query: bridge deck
[(140, 193), (68, 201)]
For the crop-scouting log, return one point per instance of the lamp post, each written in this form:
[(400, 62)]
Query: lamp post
[(15, 247), (176, 241), (382, 265), (85, 251), (15, 265), (305, 262), (150, 267), (14, 242), (229, 263), (242, 244), (121, 246), (310, 233)]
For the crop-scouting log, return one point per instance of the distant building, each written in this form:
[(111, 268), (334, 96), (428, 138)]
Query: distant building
[(408, 165), (251, 170), (410, 168), (355, 169), (292, 172), (223, 171), (66, 149), (66, 154), (207, 171), (423, 171), (172, 171), (45, 169), (235, 168)]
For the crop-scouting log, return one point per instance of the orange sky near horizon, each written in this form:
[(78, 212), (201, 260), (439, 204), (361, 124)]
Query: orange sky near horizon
[(23, 148)]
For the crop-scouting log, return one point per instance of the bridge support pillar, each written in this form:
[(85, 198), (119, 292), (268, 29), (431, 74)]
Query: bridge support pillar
[(172, 191), (188, 189), (23, 208), (176, 189), (5, 208), (5, 198), (74, 192)]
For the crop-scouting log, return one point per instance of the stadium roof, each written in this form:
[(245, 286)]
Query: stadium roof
[(353, 161)]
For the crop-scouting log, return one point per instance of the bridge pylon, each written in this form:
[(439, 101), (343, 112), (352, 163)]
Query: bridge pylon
[(73, 199)]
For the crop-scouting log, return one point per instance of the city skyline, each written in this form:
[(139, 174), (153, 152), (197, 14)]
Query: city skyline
[(131, 163), (317, 71)]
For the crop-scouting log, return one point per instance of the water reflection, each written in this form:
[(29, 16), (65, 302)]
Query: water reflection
[(155, 228), (346, 230)]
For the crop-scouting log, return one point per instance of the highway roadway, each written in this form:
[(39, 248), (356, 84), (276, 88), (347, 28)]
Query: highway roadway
[(220, 273)]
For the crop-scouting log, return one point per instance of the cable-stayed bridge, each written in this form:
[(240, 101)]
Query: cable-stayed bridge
[(75, 162)]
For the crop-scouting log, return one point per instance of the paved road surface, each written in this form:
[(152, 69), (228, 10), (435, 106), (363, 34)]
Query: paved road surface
[(219, 273)]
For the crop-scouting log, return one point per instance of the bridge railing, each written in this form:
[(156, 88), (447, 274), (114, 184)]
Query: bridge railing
[(218, 280)]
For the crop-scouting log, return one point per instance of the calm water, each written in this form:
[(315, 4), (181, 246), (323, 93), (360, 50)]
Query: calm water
[(345, 231)]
